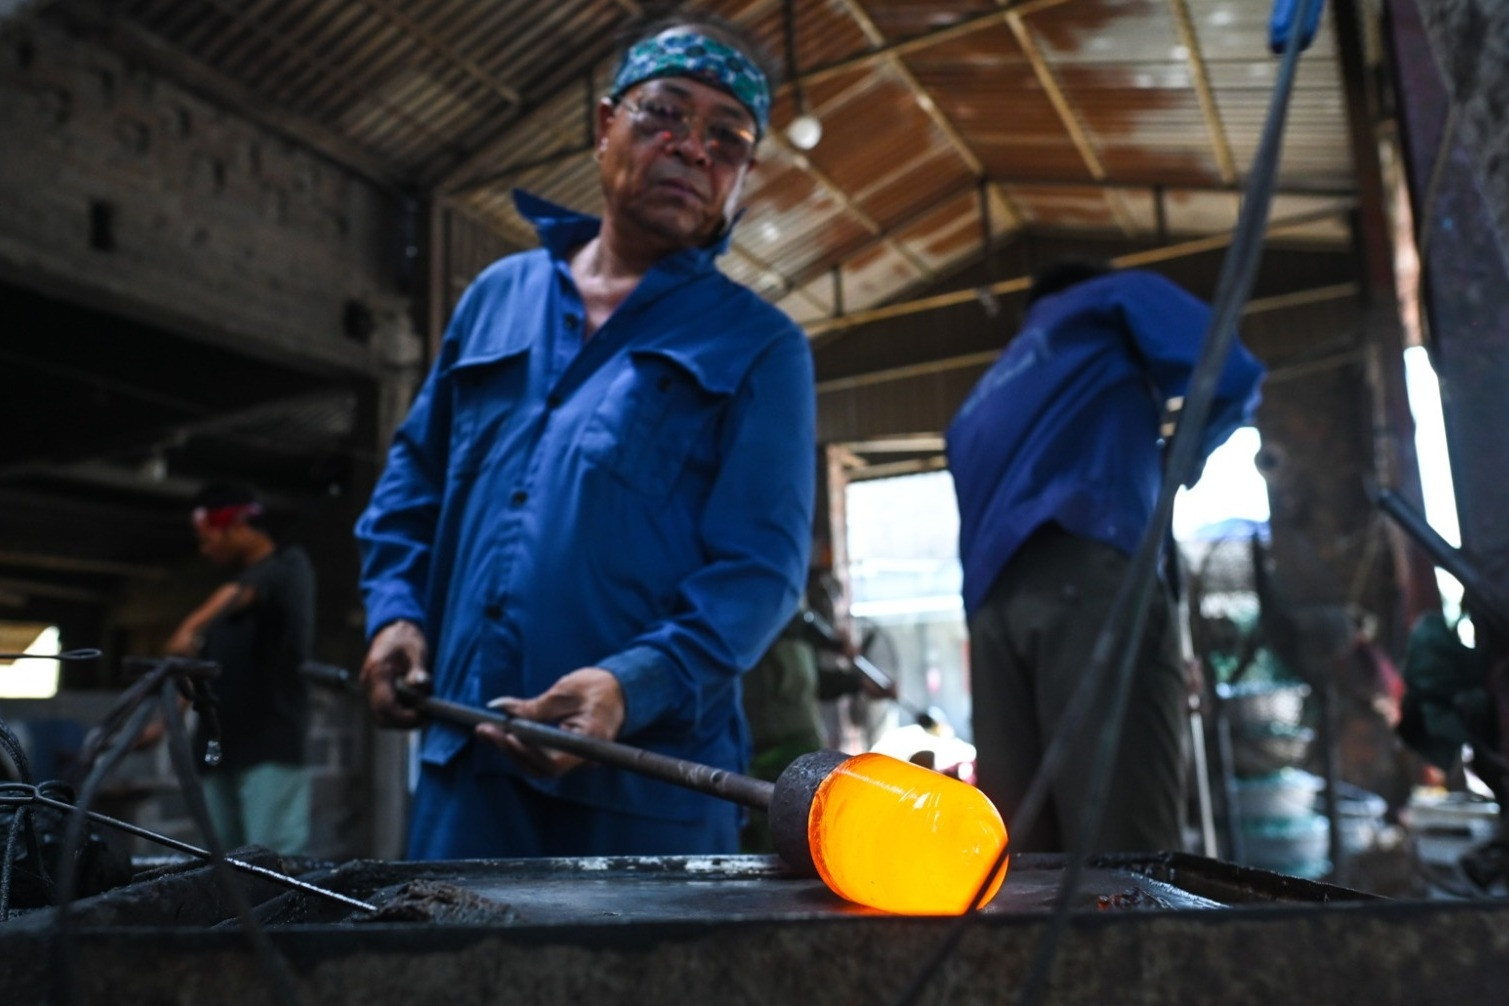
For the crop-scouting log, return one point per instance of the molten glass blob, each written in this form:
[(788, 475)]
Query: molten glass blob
[(899, 837)]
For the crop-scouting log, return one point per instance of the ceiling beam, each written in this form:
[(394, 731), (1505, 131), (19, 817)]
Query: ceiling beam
[(127, 441), (1133, 259), (1048, 81), (783, 282), (460, 175), (869, 223), (12, 588), (69, 564), (1298, 298), (927, 40), (1194, 55), (102, 475), (447, 52), (1298, 189), (306, 56), (823, 267), (816, 270), (928, 104), (995, 181)]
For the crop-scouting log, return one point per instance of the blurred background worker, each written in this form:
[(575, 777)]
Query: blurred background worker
[(810, 663), (1057, 457), (258, 627), (780, 698)]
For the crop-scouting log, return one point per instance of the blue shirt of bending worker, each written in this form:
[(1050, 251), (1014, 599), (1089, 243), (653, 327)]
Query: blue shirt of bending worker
[(1063, 428), (639, 501)]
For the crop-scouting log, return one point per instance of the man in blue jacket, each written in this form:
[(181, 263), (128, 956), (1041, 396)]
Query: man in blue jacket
[(1056, 458), (597, 513)]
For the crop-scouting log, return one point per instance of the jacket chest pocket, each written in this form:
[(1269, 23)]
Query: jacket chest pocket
[(656, 420), (483, 397)]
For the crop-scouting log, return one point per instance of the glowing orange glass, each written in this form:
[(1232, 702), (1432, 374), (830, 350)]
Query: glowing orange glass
[(899, 837)]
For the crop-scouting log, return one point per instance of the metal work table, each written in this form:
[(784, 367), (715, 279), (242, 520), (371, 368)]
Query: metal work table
[(1167, 928)]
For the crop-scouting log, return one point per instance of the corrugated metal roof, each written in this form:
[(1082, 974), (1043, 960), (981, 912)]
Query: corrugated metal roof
[(1130, 117)]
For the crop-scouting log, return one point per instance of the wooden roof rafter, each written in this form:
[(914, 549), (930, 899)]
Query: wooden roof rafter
[(928, 104), (1181, 249), (1219, 145), (445, 51), (461, 174), (302, 54), (1048, 80), (813, 272)]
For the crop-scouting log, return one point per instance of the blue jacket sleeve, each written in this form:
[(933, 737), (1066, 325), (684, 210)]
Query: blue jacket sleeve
[(1169, 326), (396, 532), (755, 531)]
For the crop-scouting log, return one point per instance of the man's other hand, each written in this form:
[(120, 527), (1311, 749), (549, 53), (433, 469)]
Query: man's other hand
[(398, 653), (587, 701)]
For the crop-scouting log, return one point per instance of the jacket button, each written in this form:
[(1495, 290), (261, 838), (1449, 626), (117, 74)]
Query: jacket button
[(493, 611), (519, 498)]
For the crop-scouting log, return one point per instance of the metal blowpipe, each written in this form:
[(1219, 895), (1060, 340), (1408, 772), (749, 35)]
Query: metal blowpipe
[(741, 789)]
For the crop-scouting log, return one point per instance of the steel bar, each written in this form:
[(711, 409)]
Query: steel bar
[(193, 850), (1491, 604), (742, 789)]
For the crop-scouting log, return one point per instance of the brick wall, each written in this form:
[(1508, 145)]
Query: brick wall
[(123, 189)]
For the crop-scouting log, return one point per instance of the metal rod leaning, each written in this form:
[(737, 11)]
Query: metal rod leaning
[(266, 873)]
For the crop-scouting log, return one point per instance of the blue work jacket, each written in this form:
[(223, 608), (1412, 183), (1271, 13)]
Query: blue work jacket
[(1063, 428), (640, 501)]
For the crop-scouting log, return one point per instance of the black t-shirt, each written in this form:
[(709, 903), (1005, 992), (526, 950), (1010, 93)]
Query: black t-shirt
[(264, 703)]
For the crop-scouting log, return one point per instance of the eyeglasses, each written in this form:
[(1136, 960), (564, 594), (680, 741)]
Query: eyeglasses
[(730, 145)]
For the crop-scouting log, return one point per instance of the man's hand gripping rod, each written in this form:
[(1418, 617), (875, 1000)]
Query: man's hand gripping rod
[(717, 782)]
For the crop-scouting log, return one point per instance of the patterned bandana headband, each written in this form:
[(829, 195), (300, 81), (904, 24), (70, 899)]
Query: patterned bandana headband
[(687, 54), (224, 516)]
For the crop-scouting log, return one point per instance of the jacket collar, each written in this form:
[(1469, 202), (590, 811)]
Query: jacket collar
[(561, 230)]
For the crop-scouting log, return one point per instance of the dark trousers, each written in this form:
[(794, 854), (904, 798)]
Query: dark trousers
[(1030, 645), (458, 813)]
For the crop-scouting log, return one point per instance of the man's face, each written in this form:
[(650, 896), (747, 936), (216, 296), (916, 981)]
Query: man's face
[(673, 191), (217, 544)]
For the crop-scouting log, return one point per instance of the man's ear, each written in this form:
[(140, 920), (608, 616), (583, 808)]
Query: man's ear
[(606, 110), (736, 194)]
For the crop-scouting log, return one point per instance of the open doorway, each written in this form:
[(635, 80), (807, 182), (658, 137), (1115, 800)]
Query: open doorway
[(904, 578), (33, 676)]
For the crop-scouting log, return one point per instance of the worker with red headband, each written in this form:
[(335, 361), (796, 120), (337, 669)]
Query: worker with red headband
[(598, 511), (258, 627)]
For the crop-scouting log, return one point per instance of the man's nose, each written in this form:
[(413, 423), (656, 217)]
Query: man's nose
[(693, 145)]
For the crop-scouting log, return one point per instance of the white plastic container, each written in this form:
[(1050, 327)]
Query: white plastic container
[(1445, 826), (1292, 845), (1287, 793)]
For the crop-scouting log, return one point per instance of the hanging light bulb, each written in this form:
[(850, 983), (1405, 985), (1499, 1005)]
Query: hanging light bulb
[(805, 131)]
